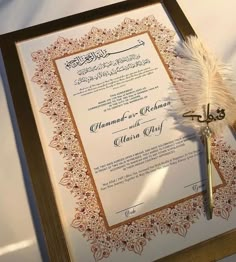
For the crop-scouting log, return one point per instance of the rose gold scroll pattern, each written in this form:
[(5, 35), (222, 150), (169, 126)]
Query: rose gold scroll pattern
[(88, 218)]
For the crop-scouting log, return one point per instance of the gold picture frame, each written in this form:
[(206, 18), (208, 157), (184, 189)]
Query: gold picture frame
[(54, 234)]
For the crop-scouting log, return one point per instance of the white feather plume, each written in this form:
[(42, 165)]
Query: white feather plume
[(203, 80)]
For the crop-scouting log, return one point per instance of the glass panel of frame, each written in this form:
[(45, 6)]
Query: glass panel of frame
[(114, 178)]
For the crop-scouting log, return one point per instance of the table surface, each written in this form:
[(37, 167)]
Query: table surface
[(213, 21)]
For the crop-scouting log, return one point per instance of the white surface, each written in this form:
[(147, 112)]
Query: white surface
[(16, 227), (214, 22)]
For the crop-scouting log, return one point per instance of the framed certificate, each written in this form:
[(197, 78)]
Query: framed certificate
[(114, 177)]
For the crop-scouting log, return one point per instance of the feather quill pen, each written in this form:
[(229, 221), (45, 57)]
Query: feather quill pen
[(206, 101)]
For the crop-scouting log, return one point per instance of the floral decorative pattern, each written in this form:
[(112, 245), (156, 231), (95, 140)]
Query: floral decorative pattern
[(88, 218)]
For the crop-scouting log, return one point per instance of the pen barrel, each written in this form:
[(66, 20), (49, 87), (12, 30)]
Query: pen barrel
[(207, 142)]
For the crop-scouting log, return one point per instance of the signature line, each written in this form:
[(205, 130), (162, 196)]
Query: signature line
[(128, 208), (195, 183)]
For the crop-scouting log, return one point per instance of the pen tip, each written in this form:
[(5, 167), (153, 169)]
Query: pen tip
[(209, 213)]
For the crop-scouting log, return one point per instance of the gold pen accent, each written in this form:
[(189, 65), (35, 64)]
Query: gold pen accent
[(207, 142)]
